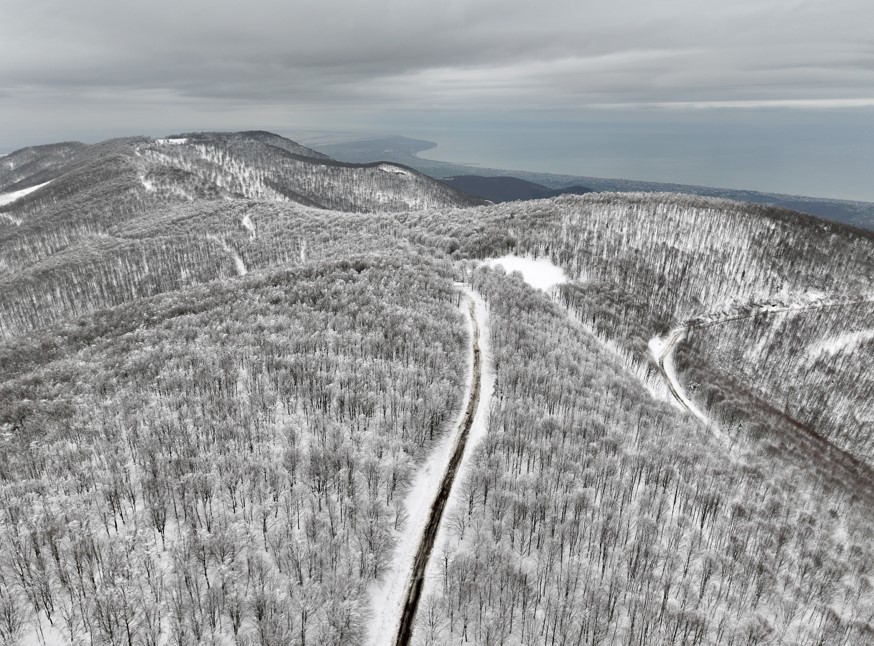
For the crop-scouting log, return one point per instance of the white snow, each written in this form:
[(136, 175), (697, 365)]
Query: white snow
[(9, 198), (238, 261), (172, 142), (248, 225), (388, 168), (45, 634), (841, 342), (540, 273), (387, 596)]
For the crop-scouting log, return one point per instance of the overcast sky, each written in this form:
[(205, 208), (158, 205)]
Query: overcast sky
[(764, 94)]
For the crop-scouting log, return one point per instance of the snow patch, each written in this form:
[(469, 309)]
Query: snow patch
[(540, 273), (172, 142), (847, 341), (388, 168), (9, 198), (43, 634), (248, 225), (238, 261)]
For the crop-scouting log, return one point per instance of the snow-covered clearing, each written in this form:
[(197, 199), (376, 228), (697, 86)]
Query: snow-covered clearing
[(9, 198), (847, 341), (387, 596), (248, 225), (238, 261), (388, 168), (43, 634), (172, 142), (540, 273)]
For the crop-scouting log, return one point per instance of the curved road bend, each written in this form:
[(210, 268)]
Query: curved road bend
[(854, 474), (679, 333), (423, 554)]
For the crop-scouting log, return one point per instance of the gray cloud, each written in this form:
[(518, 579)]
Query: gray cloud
[(93, 68), (400, 50)]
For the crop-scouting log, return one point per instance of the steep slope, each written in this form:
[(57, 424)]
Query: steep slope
[(260, 165)]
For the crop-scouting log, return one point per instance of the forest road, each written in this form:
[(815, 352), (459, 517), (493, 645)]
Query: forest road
[(423, 554), (678, 334), (673, 339), (856, 476)]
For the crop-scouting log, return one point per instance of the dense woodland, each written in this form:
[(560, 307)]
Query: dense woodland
[(595, 514), (814, 364), (215, 394), (163, 484)]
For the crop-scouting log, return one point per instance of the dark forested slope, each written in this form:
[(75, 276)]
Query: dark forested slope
[(508, 189)]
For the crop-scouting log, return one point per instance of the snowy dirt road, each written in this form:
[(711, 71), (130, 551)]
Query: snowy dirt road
[(856, 476), (394, 600)]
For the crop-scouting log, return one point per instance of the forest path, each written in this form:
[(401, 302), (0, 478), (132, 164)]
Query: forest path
[(663, 348), (416, 581), (854, 474)]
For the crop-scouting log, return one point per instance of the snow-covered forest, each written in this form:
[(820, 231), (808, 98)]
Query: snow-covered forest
[(231, 367)]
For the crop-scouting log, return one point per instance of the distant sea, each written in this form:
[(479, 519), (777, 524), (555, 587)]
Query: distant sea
[(818, 153)]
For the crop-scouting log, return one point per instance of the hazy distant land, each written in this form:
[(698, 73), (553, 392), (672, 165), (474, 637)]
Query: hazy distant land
[(350, 147)]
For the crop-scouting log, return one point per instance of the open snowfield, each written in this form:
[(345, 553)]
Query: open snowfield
[(9, 198), (846, 342), (540, 273)]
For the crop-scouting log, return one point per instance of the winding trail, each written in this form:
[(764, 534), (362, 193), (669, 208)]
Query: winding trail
[(416, 581), (662, 349), (855, 475), (663, 352)]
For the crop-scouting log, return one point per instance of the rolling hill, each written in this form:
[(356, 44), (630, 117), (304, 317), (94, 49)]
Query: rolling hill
[(236, 377)]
